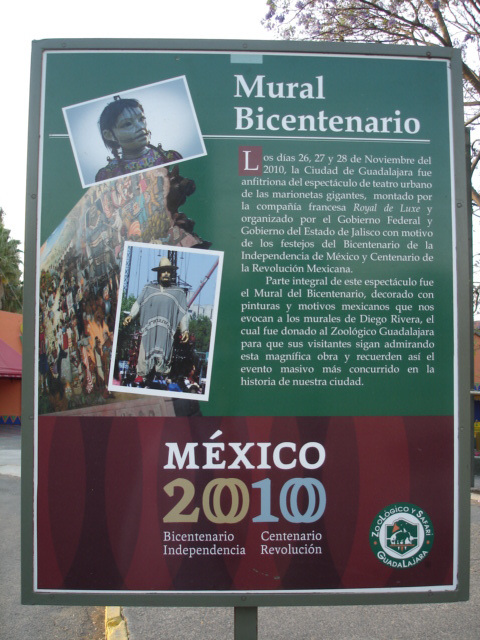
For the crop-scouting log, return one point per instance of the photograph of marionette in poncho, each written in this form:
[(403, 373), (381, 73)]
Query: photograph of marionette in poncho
[(165, 327), (163, 309)]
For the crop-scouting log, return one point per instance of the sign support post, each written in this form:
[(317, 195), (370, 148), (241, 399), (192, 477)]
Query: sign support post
[(246, 623)]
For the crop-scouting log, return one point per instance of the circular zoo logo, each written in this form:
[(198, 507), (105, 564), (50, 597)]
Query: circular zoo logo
[(401, 535)]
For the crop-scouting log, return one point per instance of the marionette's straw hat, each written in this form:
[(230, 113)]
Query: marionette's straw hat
[(165, 265)]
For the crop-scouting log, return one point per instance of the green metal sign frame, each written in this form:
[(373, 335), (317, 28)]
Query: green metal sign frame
[(450, 396)]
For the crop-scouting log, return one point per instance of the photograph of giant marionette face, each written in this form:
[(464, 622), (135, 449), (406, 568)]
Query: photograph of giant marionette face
[(165, 321), (134, 130)]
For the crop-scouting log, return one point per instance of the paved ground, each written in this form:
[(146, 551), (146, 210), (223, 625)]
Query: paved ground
[(429, 622), (19, 622), (10, 451)]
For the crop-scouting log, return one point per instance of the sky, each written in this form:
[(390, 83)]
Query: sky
[(193, 267), (191, 19)]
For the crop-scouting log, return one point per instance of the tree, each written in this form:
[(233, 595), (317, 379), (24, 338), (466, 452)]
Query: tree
[(11, 288), (126, 334), (201, 327), (445, 23)]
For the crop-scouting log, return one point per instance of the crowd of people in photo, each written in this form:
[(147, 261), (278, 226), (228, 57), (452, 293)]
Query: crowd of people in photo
[(77, 317), (184, 377)]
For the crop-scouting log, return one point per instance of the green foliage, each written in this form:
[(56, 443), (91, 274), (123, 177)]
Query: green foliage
[(127, 304), (11, 287), (201, 326), (125, 334)]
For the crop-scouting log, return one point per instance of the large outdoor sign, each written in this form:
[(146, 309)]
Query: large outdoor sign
[(242, 369)]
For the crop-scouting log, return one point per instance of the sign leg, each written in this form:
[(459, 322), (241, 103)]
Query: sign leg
[(246, 623)]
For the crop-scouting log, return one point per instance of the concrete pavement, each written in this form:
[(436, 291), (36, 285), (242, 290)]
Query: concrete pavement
[(401, 622), (10, 451), (396, 622), (19, 622)]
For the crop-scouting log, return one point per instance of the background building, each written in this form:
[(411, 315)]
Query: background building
[(10, 367)]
